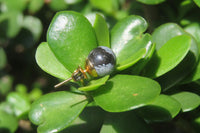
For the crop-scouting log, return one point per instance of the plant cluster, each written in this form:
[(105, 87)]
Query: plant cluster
[(155, 82)]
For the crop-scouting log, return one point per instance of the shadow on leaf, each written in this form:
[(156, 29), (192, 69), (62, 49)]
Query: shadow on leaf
[(4, 130), (152, 113), (89, 121), (152, 66), (126, 122), (103, 89), (177, 74)]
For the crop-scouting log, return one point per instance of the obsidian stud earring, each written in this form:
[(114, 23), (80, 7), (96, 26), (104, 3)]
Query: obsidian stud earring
[(101, 61)]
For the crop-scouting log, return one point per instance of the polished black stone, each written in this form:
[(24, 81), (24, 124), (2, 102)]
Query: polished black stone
[(103, 60)]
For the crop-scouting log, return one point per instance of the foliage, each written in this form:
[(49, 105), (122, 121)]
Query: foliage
[(156, 80)]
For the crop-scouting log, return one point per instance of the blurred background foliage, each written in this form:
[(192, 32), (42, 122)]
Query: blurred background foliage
[(24, 23)]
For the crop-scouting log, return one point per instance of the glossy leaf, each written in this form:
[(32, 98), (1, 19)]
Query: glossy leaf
[(71, 38), (101, 28), (127, 35), (166, 32), (188, 100), (94, 84), (132, 60), (151, 2), (34, 25), (8, 123), (126, 122), (35, 5), (125, 92), (163, 61), (159, 35), (20, 104), (197, 2), (3, 59), (194, 30), (172, 30), (139, 66), (56, 111), (126, 30), (49, 63), (163, 108)]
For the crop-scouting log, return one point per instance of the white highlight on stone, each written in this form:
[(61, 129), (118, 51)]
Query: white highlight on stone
[(104, 69), (108, 50)]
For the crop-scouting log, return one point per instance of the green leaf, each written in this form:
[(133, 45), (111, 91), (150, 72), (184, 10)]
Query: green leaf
[(12, 22), (58, 5), (132, 60), (165, 32), (194, 75), (73, 1), (49, 63), (125, 30), (6, 107), (161, 36), (20, 104), (21, 89), (94, 84), (35, 94), (185, 7), (101, 28), (71, 38), (120, 14), (188, 100), (126, 122), (8, 123), (151, 2), (3, 59), (196, 124), (89, 121), (108, 6), (5, 84), (168, 56), (127, 39), (197, 2), (34, 25), (139, 66), (35, 5), (163, 108), (178, 74), (55, 111), (126, 92), (17, 5), (194, 30)]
